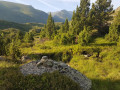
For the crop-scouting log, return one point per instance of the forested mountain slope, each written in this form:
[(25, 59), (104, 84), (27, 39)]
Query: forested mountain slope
[(21, 13)]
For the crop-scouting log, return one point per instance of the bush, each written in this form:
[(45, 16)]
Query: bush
[(64, 39), (84, 37), (113, 34), (14, 51), (66, 57)]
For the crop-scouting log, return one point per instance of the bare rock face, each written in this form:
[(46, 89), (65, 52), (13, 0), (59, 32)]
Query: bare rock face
[(46, 65)]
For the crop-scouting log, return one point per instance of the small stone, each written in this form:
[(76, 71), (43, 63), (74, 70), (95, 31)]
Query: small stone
[(42, 61), (44, 57)]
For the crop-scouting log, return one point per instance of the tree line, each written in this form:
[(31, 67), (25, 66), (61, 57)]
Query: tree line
[(11, 40), (84, 21)]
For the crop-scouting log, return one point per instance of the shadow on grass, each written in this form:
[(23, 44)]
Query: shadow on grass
[(104, 44), (58, 56), (105, 84)]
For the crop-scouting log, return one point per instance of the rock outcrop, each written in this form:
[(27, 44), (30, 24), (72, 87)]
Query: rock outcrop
[(46, 65)]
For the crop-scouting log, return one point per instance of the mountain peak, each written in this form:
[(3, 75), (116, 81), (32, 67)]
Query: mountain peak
[(64, 10), (62, 15)]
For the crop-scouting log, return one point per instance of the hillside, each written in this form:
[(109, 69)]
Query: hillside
[(60, 16), (21, 13), (22, 27)]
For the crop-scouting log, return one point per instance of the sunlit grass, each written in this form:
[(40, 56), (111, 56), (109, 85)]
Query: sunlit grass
[(103, 71), (5, 64)]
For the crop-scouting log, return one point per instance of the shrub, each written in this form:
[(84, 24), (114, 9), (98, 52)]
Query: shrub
[(113, 34), (14, 52), (64, 39), (66, 57), (84, 36)]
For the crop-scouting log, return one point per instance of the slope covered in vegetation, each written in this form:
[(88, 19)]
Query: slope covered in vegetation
[(21, 13)]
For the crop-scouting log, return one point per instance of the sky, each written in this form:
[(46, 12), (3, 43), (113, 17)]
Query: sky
[(56, 5)]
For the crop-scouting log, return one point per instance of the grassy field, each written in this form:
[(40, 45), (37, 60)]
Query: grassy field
[(104, 71)]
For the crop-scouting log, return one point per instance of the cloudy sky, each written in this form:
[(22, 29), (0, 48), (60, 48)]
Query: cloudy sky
[(56, 5)]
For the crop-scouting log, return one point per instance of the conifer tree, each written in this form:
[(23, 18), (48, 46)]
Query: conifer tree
[(84, 36), (2, 46), (66, 26), (113, 33), (14, 52), (79, 19), (75, 22), (114, 29), (84, 8), (50, 27), (28, 37), (84, 12), (100, 14)]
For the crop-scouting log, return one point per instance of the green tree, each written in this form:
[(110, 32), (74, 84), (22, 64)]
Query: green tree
[(100, 14), (113, 33), (84, 36), (14, 51), (50, 27), (63, 39), (28, 37), (2, 46), (66, 26), (75, 22), (19, 37), (114, 29), (79, 19)]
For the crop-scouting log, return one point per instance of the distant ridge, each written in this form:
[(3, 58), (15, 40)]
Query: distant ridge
[(62, 15), (20, 13)]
